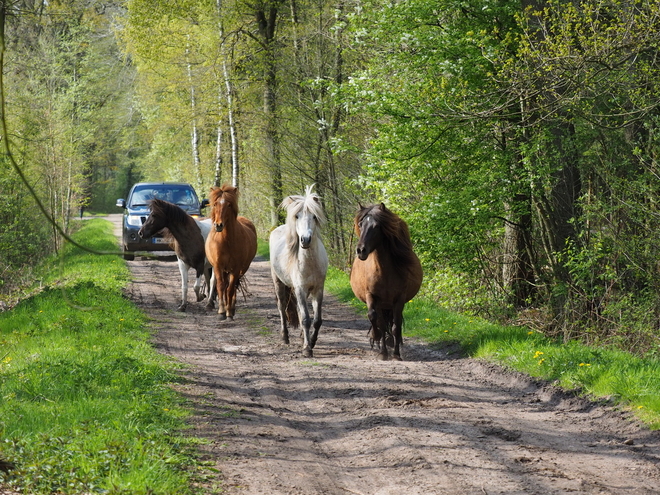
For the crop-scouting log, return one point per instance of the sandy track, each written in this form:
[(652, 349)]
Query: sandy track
[(344, 422)]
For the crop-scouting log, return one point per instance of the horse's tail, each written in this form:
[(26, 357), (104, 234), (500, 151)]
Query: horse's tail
[(292, 308)]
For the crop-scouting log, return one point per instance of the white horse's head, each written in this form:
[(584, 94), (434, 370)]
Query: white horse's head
[(304, 217)]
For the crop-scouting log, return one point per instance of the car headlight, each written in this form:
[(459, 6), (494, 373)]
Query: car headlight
[(134, 220)]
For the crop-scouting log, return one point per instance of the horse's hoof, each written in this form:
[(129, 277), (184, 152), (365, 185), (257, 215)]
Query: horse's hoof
[(230, 318), (382, 357), (200, 297), (285, 339), (222, 316), (182, 308), (210, 305), (307, 352), (396, 357)]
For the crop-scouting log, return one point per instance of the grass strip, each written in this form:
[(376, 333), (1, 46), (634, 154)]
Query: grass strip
[(85, 401), (599, 373)]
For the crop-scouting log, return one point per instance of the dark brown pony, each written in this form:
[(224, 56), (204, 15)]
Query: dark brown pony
[(386, 273), (230, 247), (188, 242)]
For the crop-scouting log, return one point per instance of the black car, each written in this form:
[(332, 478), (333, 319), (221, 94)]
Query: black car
[(136, 211)]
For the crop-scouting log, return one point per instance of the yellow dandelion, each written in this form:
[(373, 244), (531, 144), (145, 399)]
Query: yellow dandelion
[(537, 354), (541, 361), (446, 331), (530, 333), (640, 407), (427, 319)]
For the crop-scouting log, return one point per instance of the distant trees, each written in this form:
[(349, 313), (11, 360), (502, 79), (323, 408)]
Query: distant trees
[(63, 84)]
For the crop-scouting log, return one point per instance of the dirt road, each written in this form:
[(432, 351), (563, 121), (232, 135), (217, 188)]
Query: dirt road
[(345, 423)]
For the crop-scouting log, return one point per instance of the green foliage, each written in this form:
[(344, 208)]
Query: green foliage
[(24, 237), (86, 404)]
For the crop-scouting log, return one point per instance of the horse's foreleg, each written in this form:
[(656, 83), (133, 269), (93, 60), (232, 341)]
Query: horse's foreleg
[(317, 303), (306, 322), (231, 296), (377, 328), (222, 294), (183, 269)]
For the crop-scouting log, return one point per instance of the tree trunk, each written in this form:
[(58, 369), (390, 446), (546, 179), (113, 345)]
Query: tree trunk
[(266, 20)]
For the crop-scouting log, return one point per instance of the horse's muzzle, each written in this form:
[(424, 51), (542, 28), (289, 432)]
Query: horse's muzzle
[(219, 227), (362, 253), (305, 241)]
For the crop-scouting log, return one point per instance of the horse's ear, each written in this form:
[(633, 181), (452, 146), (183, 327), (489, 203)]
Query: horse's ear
[(287, 201), (382, 207), (360, 205), (214, 188)]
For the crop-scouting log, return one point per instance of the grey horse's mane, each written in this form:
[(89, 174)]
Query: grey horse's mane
[(310, 202)]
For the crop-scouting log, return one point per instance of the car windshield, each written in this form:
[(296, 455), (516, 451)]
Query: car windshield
[(179, 195)]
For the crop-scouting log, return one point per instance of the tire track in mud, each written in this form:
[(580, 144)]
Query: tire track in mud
[(345, 423)]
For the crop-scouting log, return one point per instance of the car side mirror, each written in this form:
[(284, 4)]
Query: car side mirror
[(121, 203), (205, 203)]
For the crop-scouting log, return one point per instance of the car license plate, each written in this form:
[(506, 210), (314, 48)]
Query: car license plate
[(159, 240)]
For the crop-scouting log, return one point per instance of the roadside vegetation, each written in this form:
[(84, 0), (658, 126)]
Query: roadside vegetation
[(600, 373), (85, 401)]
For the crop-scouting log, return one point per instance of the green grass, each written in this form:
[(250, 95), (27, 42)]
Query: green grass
[(263, 249), (85, 401), (611, 374)]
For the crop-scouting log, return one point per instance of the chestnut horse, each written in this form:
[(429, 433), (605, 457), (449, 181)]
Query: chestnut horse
[(386, 273), (230, 247), (189, 236), (298, 263)]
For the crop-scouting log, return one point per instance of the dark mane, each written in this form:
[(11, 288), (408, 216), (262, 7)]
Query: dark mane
[(395, 232), (170, 211)]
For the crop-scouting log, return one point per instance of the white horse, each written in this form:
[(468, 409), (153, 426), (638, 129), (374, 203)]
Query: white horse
[(299, 263)]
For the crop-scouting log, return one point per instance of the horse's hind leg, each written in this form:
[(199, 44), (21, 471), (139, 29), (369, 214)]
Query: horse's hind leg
[(183, 269), (211, 284), (378, 328)]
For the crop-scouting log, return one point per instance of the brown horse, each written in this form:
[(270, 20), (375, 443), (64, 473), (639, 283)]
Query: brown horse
[(230, 247), (386, 273)]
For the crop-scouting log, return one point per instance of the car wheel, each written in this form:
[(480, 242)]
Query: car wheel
[(128, 256)]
